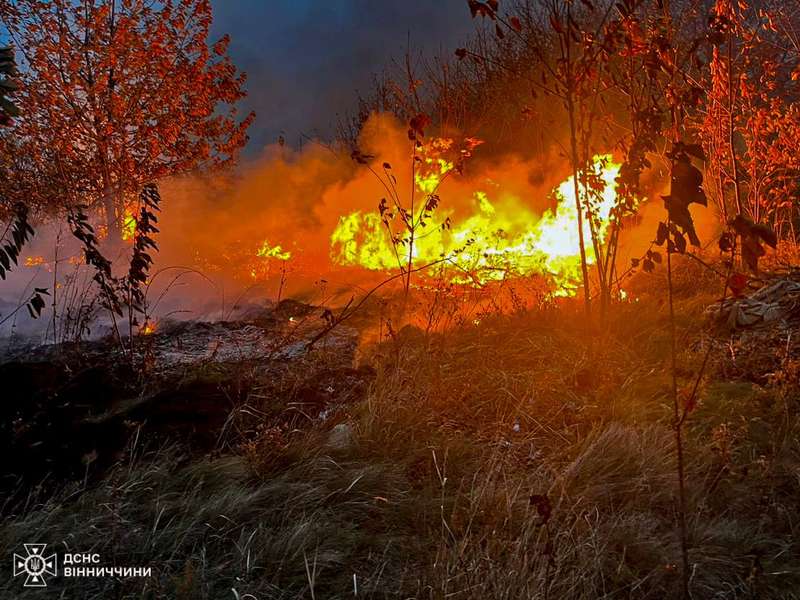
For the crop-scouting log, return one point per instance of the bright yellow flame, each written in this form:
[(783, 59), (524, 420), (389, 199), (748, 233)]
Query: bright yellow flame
[(429, 178), (148, 329), (260, 265), (128, 225), (267, 251), (499, 239), (360, 239)]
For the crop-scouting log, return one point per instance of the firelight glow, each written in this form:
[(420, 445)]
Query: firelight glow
[(128, 225), (276, 252), (499, 239)]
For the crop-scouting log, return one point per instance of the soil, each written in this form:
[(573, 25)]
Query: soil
[(69, 413)]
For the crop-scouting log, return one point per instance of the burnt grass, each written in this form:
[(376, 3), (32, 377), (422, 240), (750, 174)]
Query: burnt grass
[(519, 456)]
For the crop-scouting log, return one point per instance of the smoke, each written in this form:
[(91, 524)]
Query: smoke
[(295, 198), (292, 200)]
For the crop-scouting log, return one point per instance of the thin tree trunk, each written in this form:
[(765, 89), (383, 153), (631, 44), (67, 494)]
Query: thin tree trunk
[(734, 163), (678, 436), (412, 225), (674, 368), (574, 147), (55, 288)]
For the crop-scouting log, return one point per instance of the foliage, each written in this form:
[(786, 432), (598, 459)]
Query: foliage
[(17, 233), (125, 293), (116, 94), (19, 230), (141, 261), (8, 110), (617, 69), (749, 118), (103, 277), (568, 74), (411, 204)]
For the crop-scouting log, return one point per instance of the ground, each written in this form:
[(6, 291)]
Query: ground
[(523, 455)]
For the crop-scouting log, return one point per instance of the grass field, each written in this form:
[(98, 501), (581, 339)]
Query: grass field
[(521, 457)]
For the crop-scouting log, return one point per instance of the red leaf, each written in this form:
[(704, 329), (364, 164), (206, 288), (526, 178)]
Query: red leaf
[(419, 123), (480, 8)]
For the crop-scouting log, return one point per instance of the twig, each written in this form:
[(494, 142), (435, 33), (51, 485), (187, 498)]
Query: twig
[(349, 311)]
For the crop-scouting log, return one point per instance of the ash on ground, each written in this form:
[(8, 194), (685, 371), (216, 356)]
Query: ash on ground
[(71, 412)]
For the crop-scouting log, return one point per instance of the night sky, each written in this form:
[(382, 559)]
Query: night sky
[(306, 59)]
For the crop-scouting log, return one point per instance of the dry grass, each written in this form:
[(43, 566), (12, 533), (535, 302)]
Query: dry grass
[(433, 498), (209, 528)]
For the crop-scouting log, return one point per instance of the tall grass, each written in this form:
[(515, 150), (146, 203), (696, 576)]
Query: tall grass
[(458, 442)]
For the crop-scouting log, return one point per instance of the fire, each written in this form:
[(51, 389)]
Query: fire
[(34, 261), (433, 167), (267, 251), (501, 237), (128, 225), (260, 268), (148, 329)]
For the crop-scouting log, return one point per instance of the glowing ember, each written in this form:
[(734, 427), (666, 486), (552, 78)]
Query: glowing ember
[(501, 238), (34, 261)]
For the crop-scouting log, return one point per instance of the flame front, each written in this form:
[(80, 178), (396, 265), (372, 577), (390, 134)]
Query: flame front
[(499, 239)]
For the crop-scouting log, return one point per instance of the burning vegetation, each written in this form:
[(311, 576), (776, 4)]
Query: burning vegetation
[(497, 241), (524, 326)]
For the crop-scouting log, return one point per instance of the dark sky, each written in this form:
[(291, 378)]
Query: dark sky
[(305, 59)]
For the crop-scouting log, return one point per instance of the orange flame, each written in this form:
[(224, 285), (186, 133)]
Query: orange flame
[(497, 240), (34, 261)]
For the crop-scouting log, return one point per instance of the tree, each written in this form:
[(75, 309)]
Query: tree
[(18, 231), (750, 120), (569, 49), (8, 69), (116, 94)]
